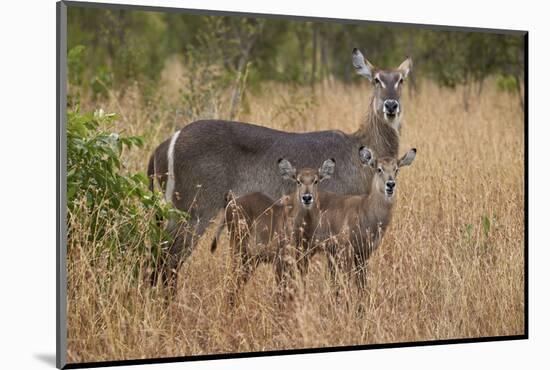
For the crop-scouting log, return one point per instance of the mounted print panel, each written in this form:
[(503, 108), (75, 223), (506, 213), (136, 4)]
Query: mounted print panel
[(244, 185)]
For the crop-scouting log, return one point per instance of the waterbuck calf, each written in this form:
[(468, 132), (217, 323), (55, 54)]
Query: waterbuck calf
[(198, 164), (260, 228), (358, 221)]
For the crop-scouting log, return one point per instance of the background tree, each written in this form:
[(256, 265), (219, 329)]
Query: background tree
[(123, 47)]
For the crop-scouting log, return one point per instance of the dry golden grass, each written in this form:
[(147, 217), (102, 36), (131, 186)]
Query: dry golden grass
[(438, 274)]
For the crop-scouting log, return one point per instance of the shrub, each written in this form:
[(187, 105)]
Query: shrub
[(506, 83), (124, 213)]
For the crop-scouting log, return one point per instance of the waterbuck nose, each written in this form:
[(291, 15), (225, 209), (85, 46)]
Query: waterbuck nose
[(307, 198), (390, 185), (391, 106)]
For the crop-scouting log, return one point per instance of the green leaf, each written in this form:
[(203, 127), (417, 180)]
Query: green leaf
[(486, 225)]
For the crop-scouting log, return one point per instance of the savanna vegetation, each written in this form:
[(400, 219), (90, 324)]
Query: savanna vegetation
[(452, 262)]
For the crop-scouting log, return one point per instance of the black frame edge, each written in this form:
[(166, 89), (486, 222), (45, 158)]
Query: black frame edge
[(526, 179), (61, 156)]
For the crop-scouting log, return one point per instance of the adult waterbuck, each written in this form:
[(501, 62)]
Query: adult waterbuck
[(204, 160)]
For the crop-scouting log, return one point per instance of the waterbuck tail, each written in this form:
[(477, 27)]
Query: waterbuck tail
[(151, 172), (227, 197)]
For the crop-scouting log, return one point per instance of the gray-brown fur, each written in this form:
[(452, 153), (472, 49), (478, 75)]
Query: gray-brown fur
[(213, 157), (357, 221), (261, 229)]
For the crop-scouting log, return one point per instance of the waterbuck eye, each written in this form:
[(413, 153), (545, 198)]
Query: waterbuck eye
[(376, 81), (379, 170), (316, 181), (401, 81)]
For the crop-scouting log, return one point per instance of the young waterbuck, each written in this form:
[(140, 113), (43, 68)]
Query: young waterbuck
[(357, 221), (201, 162), (260, 228)]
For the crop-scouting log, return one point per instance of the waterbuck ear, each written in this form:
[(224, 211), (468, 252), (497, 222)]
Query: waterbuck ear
[(408, 158), (286, 169), (406, 67), (361, 65), (366, 157), (327, 169)]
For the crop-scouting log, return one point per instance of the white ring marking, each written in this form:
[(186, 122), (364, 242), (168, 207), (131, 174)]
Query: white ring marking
[(171, 178)]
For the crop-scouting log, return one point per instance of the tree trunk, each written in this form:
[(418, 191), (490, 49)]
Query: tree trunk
[(466, 95), (242, 68), (325, 68), (239, 86), (314, 55), (480, 84), (412, 83)]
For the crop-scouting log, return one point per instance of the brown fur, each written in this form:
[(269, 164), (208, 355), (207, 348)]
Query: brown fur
[(375, 133), (259, 233), (357, 221), (261, 229)]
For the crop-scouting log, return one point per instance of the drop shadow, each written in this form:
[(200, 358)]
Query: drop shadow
[(47, 358)]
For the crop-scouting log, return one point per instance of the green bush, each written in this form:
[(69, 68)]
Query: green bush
[(506, 83), (93, 157), (99, 82), (120, 47), (75, 64), (97, 186)]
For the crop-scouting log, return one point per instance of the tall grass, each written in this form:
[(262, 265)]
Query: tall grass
[(450, 266)]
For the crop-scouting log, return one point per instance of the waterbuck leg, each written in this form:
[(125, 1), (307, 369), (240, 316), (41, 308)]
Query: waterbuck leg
[(243, 268), (185, 237), (303, 263), (360, 259), (360, 262), (333, 265), (285, 266)]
